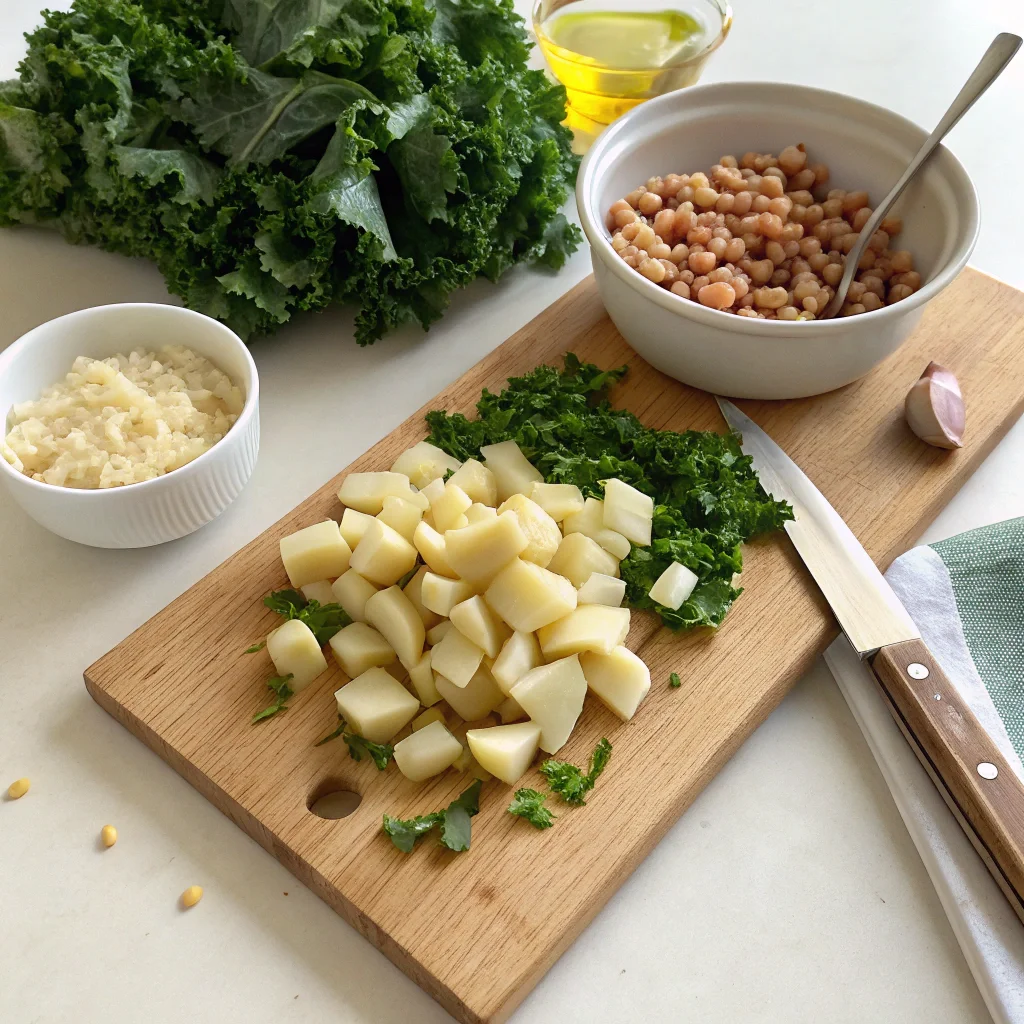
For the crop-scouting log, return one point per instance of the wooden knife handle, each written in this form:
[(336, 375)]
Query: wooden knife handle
[(981, 788)]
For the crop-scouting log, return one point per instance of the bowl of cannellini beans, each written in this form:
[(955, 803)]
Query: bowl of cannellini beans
[(719, 219)]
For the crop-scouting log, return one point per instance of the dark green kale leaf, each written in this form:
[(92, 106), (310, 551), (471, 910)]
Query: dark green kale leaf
[(277, 156)]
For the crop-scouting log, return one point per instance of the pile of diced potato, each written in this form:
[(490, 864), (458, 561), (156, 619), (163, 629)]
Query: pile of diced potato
[(515, 609)]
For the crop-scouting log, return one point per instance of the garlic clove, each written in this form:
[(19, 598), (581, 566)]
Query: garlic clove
[(935, 408)]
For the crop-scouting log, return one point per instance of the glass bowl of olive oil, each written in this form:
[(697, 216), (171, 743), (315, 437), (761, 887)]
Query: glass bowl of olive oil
[(611, 55)]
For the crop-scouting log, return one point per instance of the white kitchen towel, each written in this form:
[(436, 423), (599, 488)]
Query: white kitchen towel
[(987, 929)]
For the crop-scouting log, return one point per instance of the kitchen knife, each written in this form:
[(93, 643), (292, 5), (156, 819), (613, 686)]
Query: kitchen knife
[(972, 775)]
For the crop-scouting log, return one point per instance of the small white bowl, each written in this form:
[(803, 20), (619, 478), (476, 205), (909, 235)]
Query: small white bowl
[(153, 511), (865, 147)]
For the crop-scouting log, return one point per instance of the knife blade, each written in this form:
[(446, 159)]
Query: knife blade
[(869, 613), (974, 778)]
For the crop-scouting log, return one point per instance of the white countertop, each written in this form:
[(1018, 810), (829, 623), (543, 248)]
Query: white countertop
[(790, 891)]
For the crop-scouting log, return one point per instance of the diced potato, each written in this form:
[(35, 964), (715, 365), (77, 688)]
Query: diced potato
[(558, 500), (365, 492), (456, 658), (520, 653), (552, 695), (628, 511), (436, 633), (432, 548), (414, 591), (479, 552), (673, 586), (433, 491), (620, 680), (383, 556), (542, 533), (353, 526), (591, 627), (352, 592), (578, 557), (395, 617), (376, 705), (506, 751), (358, 647), (477, 481), (320, 592), (590, 522), (401, 515), (479, 697), (449, 508), (513, 473), (477, 513), (510, 711), (423, 681), (440, 594), (427, 752), (424, 462), (602, 589), (315, 553), (475, 620), (428, 716), (528, 597), (294, 651)]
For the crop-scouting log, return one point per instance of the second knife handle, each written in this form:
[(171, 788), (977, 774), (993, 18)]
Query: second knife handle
[(972, 775)]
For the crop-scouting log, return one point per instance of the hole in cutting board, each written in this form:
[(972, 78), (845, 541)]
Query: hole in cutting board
[(333, 799)]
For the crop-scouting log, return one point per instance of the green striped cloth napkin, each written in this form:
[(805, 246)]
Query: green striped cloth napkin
[(986, 573), (966, 595)]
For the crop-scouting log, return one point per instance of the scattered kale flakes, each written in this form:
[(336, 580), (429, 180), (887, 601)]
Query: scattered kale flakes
[(454, 821), (277, 156), (278, 685), (707, 498), (529, 804), (570, 782), (324, 620)]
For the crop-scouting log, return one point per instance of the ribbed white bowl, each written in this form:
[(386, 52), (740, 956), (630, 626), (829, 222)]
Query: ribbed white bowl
[(154, 511)]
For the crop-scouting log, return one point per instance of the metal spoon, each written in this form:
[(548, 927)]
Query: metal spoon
[(991, 66)]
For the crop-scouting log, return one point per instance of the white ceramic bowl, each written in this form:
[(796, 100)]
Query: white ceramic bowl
[(865, 146), (154, 511)]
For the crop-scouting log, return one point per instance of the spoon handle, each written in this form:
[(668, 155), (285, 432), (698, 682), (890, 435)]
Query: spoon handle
[(990, 67)]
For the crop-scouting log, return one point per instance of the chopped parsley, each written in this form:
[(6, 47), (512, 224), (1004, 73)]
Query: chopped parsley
[(359, 746), (454, 821), (707, 498), (674, 681), (569, 782), (282, 691), (255, 647), (323, 619), (529, 804)]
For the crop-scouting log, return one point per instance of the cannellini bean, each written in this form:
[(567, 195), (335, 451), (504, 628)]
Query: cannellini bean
[(760, 236), (653, 270), (717, 295), (901, 260), (191, 896), (17, 789), (770, 298)]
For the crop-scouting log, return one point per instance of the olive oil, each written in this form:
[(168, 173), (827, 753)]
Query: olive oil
[(613, 54)]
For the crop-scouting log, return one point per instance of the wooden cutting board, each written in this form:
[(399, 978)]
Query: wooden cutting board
[(478, 930)]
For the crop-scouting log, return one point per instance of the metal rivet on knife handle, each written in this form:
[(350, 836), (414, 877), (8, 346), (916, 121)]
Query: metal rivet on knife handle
[(987, 770), (917, 671)]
